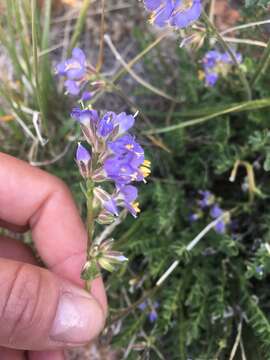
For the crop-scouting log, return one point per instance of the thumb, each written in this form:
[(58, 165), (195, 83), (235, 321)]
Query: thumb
[(39, 310)]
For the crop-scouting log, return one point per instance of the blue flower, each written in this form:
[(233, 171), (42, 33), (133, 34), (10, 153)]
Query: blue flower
[(215, 213), (127, 195), (72, 87), (177, 13), (119, 169), (85, 116), (211, 79), (153, 316), (110, 121), (185, 12), (126, 145), (73, 68), (124, 122), (106, 124), (152, 313), (207, 199), (161, 11), (82, 154), (86, 96), (83, 159), (194, 217), (216, 63), (111, 206), (118, 157)]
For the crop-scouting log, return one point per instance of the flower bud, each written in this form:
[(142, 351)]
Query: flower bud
[(106, 200), (83, 159), (105, 217)]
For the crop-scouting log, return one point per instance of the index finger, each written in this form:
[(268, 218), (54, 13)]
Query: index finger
[(30, 196)]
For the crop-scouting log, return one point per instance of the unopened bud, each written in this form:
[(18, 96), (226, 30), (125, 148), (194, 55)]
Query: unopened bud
[(83, 159)]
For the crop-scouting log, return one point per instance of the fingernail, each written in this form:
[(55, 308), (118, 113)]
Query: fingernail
[(78, 319)]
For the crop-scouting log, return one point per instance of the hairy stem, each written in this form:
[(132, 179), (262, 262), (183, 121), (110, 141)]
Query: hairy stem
[(226, 47)]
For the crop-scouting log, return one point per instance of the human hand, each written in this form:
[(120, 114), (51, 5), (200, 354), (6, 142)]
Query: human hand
[(42, 310)]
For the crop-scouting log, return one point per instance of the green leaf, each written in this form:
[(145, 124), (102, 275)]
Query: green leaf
[(250, 3)]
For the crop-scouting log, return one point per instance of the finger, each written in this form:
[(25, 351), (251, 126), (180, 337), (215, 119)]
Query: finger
[(12, 227), (41, 311), (45, 204), (46, 355), (8, 354), (15, 250)]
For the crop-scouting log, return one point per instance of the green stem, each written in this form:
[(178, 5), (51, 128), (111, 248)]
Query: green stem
[(90, 226), (36, 63), (79, 25), (244, 106), (227, 48), (90, 218), (101, 43), (262, 65)]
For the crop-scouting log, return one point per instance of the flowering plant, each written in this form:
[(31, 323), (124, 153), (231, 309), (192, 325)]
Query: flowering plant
[(117, 158), (195, 80)]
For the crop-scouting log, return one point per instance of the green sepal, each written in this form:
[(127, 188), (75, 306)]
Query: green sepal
[(90, 271)]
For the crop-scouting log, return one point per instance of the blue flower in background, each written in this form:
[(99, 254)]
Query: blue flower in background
[(72, 87), (177, 13), (74, 69), (207, 199), (151, 309), (185, 12), (215, 213), (161, 11), (216, 63)]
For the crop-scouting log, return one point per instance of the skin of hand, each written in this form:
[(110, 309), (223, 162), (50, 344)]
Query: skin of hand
[(43, 310)]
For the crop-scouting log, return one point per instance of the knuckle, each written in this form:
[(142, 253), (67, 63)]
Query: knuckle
[(19, 310), (59, 186)]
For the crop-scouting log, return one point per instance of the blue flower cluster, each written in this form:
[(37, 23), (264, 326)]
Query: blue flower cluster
[(116, 156), (176, 13), (208, 203), (216, 63), (78, 73)]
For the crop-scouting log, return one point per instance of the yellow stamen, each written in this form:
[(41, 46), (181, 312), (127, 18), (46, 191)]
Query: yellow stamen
[(129, 146), (155, 14), (145, 171), (147, 163), (135, 206), (187, 4), (145, 168)]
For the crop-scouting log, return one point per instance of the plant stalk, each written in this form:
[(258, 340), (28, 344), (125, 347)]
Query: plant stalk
[(262, 65), (79, 25), (90, 227)]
